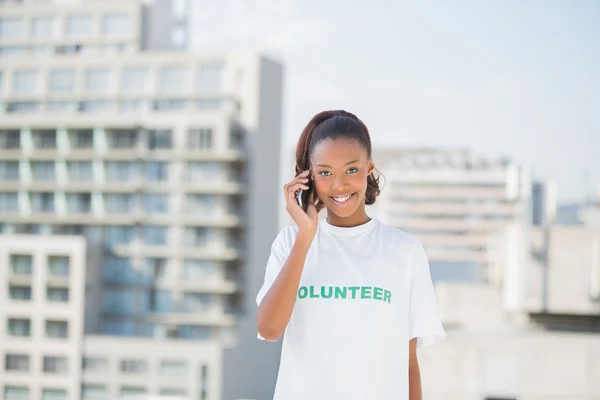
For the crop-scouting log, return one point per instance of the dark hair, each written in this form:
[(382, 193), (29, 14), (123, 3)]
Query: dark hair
[(335, 124)]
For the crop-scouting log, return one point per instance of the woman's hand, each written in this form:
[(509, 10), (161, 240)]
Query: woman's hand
[(307, 221)]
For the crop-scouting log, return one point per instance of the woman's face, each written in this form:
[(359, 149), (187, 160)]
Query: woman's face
[(340, 168)]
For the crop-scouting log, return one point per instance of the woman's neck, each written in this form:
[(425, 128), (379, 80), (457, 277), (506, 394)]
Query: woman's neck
[(358, 218)]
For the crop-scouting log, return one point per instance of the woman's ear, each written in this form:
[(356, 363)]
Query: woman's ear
[(371, 167)]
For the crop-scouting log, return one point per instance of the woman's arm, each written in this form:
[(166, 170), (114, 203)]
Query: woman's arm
[(276, 307), (414, 374)]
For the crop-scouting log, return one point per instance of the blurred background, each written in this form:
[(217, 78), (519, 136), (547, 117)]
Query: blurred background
[(144, 144)]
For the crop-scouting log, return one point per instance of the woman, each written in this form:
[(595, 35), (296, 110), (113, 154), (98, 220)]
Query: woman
[(353, 296)]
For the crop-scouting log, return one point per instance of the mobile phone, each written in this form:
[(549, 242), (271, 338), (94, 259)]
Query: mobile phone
[(303, 196)]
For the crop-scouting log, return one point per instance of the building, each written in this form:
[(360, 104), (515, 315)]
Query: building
[(163, 160), (451, 200)]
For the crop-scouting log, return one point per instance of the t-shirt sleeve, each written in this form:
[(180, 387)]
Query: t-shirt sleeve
[(424, 321), (280, 250)]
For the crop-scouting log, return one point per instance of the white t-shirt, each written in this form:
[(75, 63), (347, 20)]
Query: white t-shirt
[(365, 292)]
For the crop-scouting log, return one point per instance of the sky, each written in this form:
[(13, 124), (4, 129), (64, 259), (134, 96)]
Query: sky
[(506, 78)]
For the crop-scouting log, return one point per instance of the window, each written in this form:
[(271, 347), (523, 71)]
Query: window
[(93, 392), (96, 80), (9, 202), (17, 362), (202, 171), (160, 301), (19, 292), (10, 139), (54, 394), (134, 366), (155, 235), (128, 391), (16, 393), (80, 171), (118, 203), (121, 138), (199, 204), (196, 302), (78, 25), (67, 106), (132, 105), (196, 236), (118, 327), (209, 77), (121, 171), (79, 202), (44, 139), (62, 80), (43, 170), (25, 81), (11, 27), (200, 138), (56, 364), (199, 270), (173, 392), (171, 79), (159, 139), (118, 269), (21, 264), (169, 104), (134, 79), (156, 203), (193, 332), (21, 106), (209, 104), (116, 24), (42, 202), (58, 266), (119, 301), (19, 327), (42, 27), (157, 171), (155, 270), (173, 368), (95, 364), (59, 295), (9, 170), (118, 235), (82, 139), (57, 329)]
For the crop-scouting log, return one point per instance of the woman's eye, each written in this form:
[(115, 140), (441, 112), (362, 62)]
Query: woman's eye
[(352, 170), (324, 173)]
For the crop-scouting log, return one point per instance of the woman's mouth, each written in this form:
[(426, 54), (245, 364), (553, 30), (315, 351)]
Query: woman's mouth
[(341, 200)]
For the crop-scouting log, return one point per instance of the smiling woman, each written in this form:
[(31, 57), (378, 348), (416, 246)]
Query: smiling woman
[(352, 297)]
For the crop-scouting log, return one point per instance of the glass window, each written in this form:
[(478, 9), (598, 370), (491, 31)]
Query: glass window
[(169, 104), (9, 202), (129, 392), (44, 139), (193, 332), (59, 266), (196, 236), (204, 270), (62, 80), (121, 138), (21, 264), (156, 203), (54, 394), (78, 25), (119, 301), (57, 329), (95, 364), (134, 78), (209, 77), (25, 81), (118, 203), (196, 302), (202, 171), (80, 171), (118, 269), (42, 27), (171, 79), (200, 138), (19, 327), (160, 301), (200, 204), (19, 292), (82, 139), (97, 80), (116, 24), (117, 327), (160, 139), (16, 393), (10, 139), (22, 106), (43, 170), (173, 368), (157, 171), (121, 171), (93, 392), (177, 393), (79, 202), (17, 362), (155, 269), (59, 295), (60, 105), (155, 235), (118, 235), (9, 170), (56, 364), (42, 202), (134, 366), (11, 27)]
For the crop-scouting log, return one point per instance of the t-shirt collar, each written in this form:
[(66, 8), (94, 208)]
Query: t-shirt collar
[(352, 230)]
